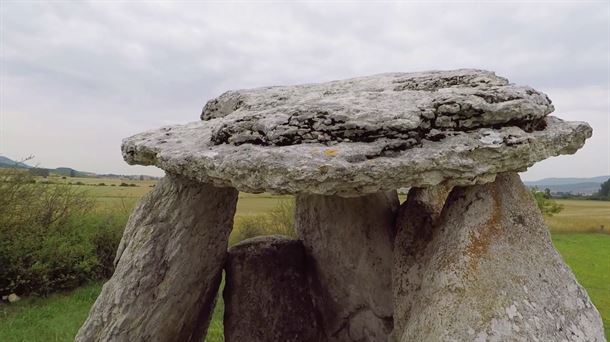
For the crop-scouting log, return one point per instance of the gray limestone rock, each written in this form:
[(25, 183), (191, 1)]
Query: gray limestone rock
[(363, 135), (415, 223), (349, 242), (168, 266), (267, 296), (395, 106), (490, 273)]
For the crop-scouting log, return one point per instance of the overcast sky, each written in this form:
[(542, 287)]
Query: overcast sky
[(76, 78)]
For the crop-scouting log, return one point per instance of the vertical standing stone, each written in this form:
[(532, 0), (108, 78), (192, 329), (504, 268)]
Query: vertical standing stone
[(350, 243), (267, 296), (490, 273), (168, 266), (415, 222)]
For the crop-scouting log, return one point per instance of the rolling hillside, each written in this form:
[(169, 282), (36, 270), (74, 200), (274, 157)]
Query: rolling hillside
[(584, 186)]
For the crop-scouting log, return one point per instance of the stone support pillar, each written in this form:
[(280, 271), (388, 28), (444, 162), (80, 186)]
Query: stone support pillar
[(168, 266)]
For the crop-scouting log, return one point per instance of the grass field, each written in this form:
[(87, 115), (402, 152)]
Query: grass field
[(581, 216), (588, 255), (577, 233)]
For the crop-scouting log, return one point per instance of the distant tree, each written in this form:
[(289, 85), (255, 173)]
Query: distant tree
[(604, 192), (35, 171), (547, 206), (547, 193)]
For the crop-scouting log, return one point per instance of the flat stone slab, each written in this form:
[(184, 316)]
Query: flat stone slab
[(363, 135)]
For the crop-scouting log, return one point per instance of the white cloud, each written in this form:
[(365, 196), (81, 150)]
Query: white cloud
[(79, 77)]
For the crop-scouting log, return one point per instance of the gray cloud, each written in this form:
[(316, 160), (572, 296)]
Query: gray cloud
[(78, 77)]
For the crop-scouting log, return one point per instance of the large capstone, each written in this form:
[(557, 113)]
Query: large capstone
[(267, 296), (490, 273), (400, 109), (168, 266), (349, 243), (363, 135)]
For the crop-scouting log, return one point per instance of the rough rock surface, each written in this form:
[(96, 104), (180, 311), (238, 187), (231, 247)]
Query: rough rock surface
[(349, 242), (400, 108), (363, 135), (267, 296), (168, 266), (490, 273), (415, 223)]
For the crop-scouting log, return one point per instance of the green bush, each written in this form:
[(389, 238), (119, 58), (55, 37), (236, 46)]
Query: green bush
[(49, 237), (105, 239), (545, 203)]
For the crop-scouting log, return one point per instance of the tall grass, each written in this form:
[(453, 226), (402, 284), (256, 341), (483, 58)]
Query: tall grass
[(279, 220)]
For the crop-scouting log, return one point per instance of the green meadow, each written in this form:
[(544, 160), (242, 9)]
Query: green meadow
[(580, 232)]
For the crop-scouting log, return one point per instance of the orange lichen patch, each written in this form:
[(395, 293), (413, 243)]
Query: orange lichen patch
[(479, 245), (331, 152)]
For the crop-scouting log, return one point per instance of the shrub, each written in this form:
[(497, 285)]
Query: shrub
[(101, 184), (123, 184), (105, 240), (545, 203), (49, 237)]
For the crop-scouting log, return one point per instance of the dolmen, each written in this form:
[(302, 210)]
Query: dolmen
[(467, 256)]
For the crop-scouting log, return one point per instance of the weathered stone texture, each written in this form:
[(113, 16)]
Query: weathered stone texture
[(490, 273), (363, 135), (399, 108), (267, 296), (349, 241), (415, 223), (168, 266)]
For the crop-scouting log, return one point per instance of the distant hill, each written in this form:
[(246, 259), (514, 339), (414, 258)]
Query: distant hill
[(68, 171), (6, 162), (584, 186)]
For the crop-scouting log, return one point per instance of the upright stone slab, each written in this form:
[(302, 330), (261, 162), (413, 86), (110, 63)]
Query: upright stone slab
[(267, 296), (415, 223), (168, 266), (490, 273), (349, 241)]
